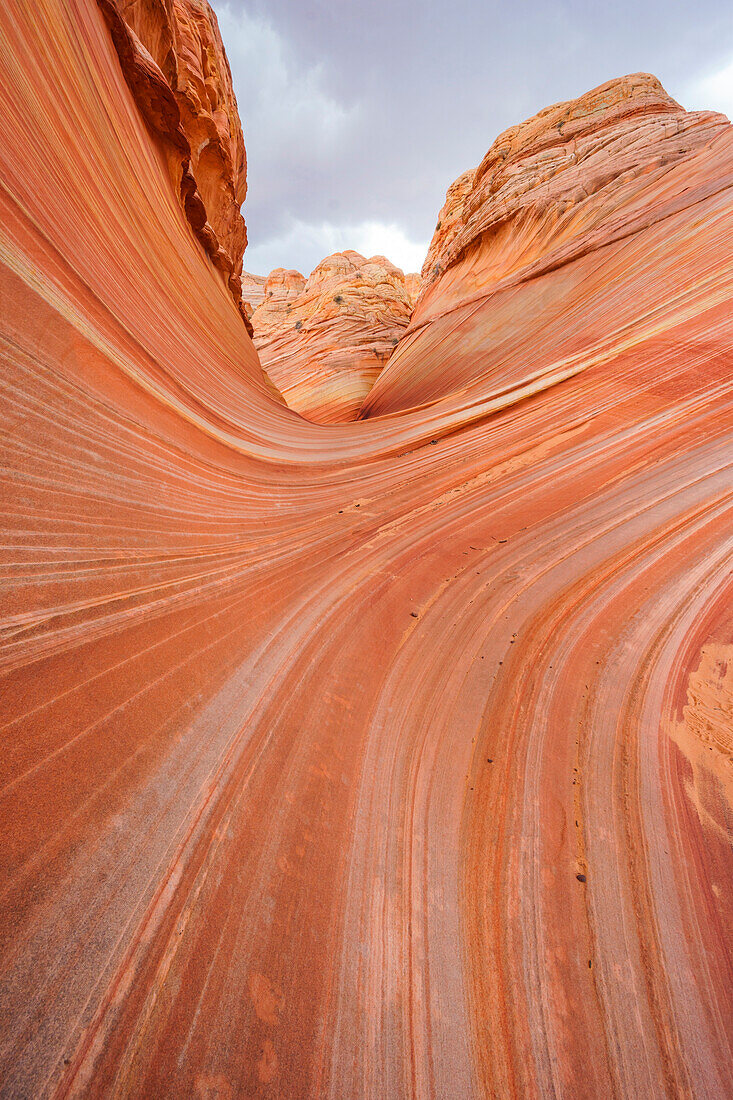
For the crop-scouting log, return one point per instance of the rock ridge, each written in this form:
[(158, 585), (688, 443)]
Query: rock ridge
[(557, 193), (552, 180), (174, 62), (324, 340)]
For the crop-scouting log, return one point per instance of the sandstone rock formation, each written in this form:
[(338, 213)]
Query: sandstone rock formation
[(378, 759), (450, 222), (323, 341), (413, 283), (253, 291), (569, 213), (173, 59)]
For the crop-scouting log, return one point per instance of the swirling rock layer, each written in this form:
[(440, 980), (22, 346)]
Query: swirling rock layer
[(173, 59), (371, 760), (324, 341)]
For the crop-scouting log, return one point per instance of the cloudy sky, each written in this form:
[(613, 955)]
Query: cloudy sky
[(357, 116)]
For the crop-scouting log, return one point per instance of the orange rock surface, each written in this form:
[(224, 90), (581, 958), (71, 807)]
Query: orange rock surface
[(413, 283), (379, 759), (555, 253), (449, 223), (173, 59), (253, 291), (323, 341)]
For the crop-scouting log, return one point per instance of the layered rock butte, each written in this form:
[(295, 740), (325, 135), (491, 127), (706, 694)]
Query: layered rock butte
[(324, 340), (374, 759)]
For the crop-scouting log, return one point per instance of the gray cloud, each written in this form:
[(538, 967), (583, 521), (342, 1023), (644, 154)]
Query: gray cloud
[(357, 117)]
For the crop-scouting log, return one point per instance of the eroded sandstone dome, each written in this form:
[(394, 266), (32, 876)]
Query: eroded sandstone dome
[(324, 340)]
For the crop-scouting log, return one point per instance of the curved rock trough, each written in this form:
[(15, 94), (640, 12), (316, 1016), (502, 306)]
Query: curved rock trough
[(388, 758)]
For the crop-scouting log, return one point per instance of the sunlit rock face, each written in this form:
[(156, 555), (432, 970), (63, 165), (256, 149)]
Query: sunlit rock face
[(280, 289), (253, 291), (323, 341), (371, 760), (555, 253), (449, 223)]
